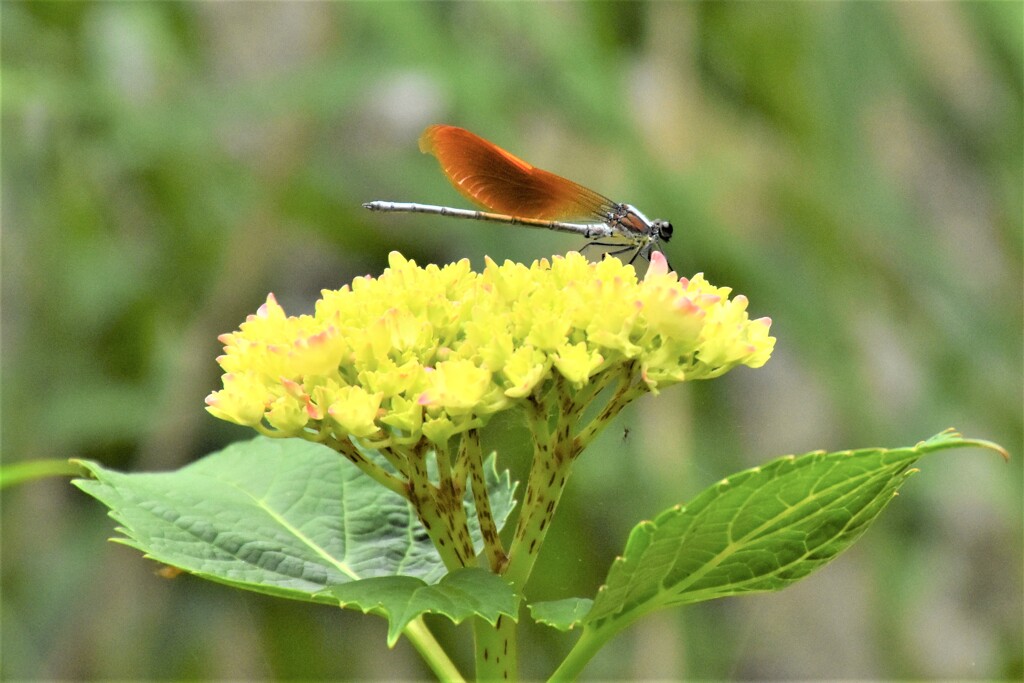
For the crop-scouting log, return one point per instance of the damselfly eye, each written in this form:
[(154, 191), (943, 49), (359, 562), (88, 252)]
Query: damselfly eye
[(664, 229)]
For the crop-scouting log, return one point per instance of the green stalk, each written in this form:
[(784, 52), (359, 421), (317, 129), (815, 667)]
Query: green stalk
[(625, 392), (445, 522), (372, 470), (591, 640), (544, 488), (549, 473), (30, 470), (495, 646), (432, 652), (493, 549)]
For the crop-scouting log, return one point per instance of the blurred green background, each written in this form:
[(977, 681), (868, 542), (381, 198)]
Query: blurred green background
[(854, 169)]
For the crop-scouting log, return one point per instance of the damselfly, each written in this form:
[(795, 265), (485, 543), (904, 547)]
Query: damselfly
[(515, 192)]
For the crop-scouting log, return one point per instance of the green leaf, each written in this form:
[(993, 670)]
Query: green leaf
[(563, 615), (279, 516), (759, 530), (462, 593)]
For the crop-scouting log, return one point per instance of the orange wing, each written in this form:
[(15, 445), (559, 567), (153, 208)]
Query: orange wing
[(498, 181)]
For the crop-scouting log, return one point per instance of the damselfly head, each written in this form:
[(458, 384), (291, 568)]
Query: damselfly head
[(663, 229)]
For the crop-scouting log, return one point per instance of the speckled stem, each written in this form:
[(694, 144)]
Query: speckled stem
[(495, 650), (493, 549), (549, 473), (442, 513), (625, 392), (372, 470)]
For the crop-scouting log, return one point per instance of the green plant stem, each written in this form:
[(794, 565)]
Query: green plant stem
[(30, 470), (495, 646), (495, 552), (548, 477), (549, 473), (431, 651), (444, 518), (590, 642), (372, 470), (625, 393)]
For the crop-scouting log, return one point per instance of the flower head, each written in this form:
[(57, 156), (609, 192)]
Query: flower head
[(431, 352)]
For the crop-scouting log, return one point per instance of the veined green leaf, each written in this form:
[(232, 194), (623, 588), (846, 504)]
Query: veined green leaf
[(280, 516), (563, 615), (759, 530), (462, 593)]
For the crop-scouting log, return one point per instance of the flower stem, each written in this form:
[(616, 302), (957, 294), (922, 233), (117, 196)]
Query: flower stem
[(496, 557), (625, 392), (432, 652), (496, 656), (549, 472), (543, 490), (442, 514), (374, 471)]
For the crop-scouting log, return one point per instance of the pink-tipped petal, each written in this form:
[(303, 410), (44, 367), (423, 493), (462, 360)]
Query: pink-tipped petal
[(659, 265)]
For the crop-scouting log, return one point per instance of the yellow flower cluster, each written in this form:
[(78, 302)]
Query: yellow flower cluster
[(435, 351)]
